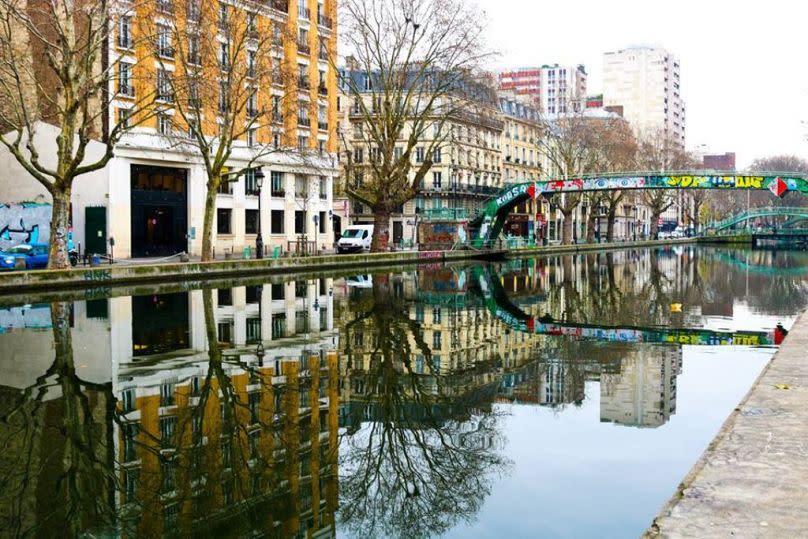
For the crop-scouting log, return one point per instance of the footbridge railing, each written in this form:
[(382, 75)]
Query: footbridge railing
[(488, 224)]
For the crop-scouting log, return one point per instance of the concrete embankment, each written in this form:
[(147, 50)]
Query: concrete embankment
[(752, 481), (19, 282)]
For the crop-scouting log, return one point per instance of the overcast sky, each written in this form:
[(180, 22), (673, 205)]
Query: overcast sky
[(744, 65)]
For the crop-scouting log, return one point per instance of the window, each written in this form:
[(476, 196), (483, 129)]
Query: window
[(168, 427), (250, 182), (163, 123), (225, 188), (300, 222), (164, 48), (251, 64), (302, 143), (358, 155), (252, 107), (123, 117), (276, 222), (224, 297), (168, 471), (164, 88), (436, 155), (437, 179), (224, 55), (322, 222), (193, 10), (253, 331), (323, 188), (277, 184), (223, 15), (224, 332), (436, 315), (276, 108), (224, 101), (223, 221), (437, 340), (125, 32), (253, 294), (167, 393), (128, 399), (300, 186), (252, 28), (251, 134), (193, 49), (251, 221), (419, 154)]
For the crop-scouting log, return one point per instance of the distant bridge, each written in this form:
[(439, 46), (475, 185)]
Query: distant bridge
[(501, 307), (796, 215), (488, 224)]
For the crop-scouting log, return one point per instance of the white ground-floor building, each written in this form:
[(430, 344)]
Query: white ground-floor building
[(149, 201)]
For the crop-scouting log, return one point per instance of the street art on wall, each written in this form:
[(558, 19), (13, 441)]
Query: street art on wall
[(491, 220), (24, 223)]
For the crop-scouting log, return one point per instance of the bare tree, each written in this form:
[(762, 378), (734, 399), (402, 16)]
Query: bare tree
[(659, 152), (55, 69), (616, 151), (412, 67), (216, 101), (570, 145)]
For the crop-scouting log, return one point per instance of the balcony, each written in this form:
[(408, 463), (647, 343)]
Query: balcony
[(322, 90), (324, 21), (164, 6), (126, 90), (303, 12), (323, 54), (304, 84), (280, 5), (322, 126), (165, 52), (303, 48), (125, 42), (277, 117), (278, 192), (303, 121)]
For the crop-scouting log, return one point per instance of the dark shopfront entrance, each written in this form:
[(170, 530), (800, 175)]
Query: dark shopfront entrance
[(159, 210)]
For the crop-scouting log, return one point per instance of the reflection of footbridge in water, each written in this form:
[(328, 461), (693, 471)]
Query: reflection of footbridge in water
[(747, 263), (484, 284), (488, 224)]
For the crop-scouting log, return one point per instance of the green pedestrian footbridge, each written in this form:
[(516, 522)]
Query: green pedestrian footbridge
[(795, 215), (485, 227)]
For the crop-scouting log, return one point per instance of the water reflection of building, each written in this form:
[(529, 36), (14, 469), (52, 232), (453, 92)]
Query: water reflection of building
[(643, 394), (243, 445), (248, 447)]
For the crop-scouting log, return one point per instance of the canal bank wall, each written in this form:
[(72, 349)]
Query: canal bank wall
[(19, 282), (752, 481)]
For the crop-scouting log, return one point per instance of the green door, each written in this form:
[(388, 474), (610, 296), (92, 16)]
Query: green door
[(95, 230)]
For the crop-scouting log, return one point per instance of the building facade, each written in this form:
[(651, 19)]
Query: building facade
[(646, 83), (553, 89), (149, 200)]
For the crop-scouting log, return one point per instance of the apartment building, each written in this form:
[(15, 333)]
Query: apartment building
[(646, 83), (553, 89), (521, 160), (150, 198), (466, 159)]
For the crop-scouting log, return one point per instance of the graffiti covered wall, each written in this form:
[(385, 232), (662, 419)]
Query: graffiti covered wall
[(24, 223)]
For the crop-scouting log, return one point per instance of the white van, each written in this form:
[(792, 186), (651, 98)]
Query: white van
[(355, 238)]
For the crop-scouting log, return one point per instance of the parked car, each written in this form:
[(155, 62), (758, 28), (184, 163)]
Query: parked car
[(35, 256), (355, 238)]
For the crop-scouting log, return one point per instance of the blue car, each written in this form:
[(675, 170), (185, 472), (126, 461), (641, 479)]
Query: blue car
[(34, 254)]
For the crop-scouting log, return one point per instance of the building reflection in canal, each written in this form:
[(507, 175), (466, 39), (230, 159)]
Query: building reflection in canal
[(369, 406)]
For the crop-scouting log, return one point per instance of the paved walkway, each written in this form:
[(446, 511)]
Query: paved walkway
[(753, 479)]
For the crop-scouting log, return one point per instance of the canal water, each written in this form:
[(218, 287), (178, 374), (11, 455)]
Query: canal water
[(551, 397)]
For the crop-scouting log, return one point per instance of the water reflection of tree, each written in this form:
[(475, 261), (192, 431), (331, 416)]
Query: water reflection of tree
[(57, 472), (423, 451)]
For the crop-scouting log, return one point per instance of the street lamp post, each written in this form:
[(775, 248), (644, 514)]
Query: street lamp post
[(259, 241)]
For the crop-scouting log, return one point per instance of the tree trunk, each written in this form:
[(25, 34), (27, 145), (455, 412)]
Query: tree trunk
[(654, 234), (381, 231), (58, 257), (610, 225), (207, 226), (591, 220), (566, 227)]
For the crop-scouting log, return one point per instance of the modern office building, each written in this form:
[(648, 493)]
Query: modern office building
[(646, 83)]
